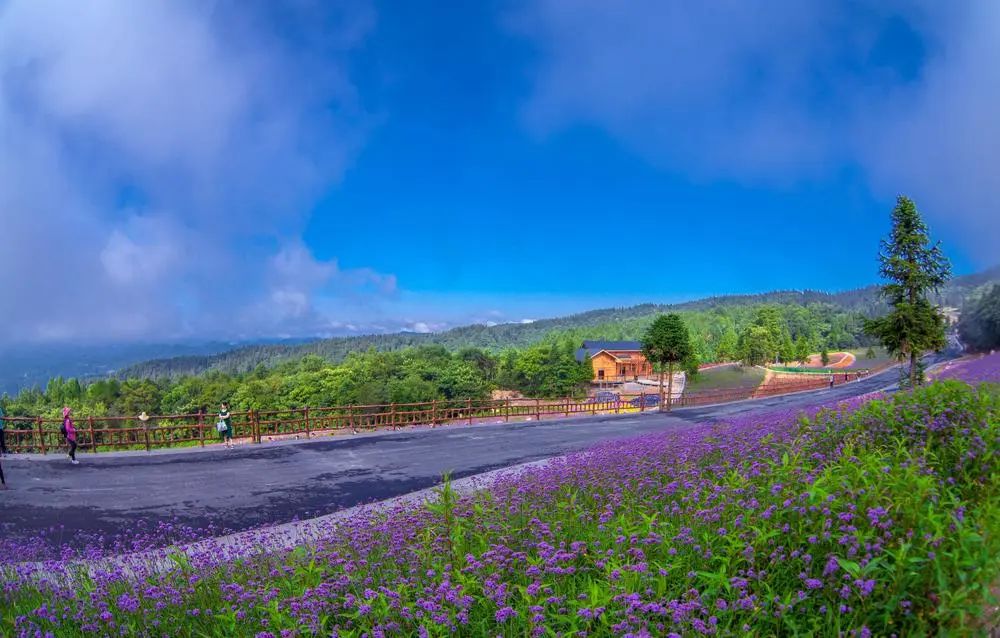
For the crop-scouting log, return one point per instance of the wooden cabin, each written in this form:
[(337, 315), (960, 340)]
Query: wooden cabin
[(615, 361)]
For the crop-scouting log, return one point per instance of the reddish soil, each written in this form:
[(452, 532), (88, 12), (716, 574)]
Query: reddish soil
[(837, 360)]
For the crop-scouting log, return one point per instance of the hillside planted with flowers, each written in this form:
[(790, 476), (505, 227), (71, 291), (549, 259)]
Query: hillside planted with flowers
[(982, 369), (875, 517)]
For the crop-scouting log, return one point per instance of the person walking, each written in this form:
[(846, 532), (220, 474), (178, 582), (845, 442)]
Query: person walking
[(69, 433), (3, 433), (225, 425)]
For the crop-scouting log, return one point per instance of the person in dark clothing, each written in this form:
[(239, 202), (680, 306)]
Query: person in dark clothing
[(3, 448), (3, 433)]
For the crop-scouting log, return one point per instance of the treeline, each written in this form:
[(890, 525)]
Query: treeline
[(726, 333), (752, 334), (419, 374), (979, 327), (821, 320), (837, 326)]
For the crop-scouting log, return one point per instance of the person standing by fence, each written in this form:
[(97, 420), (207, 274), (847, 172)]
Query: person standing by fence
[(69, 433), (3, 434), (225, 425)]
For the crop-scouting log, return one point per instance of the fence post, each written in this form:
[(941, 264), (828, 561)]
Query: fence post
[(307, 420), (434, 412), (618, 403), (538, 411), (642, 401), (469, 407), (567, 406), (392, 416), (506, 414), (93, 439), (255, 425), (145, 434), (350, 419), (593, 408), (41, 435)]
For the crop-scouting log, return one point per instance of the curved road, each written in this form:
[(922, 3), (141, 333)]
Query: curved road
[(279, 482)]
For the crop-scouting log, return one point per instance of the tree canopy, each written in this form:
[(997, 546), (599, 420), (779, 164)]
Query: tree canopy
[(979, 327), (666, 344), (913, 268)]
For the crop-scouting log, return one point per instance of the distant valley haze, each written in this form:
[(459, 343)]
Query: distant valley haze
[(182, 178)]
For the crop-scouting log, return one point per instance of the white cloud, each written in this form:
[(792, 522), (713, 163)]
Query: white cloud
[(150, 152), (709, 88), (295, 279), (148, 78), (939, 140), (784, 92), (145, 251)]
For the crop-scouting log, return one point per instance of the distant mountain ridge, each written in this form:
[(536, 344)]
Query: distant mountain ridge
[(496, 337), (27, 366)]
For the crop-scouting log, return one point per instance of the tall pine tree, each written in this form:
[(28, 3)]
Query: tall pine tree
[(913, 268)]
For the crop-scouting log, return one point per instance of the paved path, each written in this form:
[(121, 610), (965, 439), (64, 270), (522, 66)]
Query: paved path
[(278, 482)]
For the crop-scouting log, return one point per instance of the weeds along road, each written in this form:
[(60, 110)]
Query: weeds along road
[(277, 482)]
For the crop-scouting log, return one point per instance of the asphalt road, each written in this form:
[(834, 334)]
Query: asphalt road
[(278, 482)]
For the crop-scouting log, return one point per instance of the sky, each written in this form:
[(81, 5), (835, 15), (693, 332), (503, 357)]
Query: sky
[(177, 170)]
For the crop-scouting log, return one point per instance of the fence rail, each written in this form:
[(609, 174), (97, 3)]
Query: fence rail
[(25, 434)]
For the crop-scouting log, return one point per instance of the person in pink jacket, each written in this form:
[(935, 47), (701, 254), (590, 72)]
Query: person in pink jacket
[(69, 433)]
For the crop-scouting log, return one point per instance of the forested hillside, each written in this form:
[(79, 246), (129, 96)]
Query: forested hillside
[(831, 319), (411, 375), (467, 363)]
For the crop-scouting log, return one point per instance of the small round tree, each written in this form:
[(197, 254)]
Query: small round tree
[(667, 344)]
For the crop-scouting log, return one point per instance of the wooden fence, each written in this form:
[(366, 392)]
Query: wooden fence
[(128, 433)]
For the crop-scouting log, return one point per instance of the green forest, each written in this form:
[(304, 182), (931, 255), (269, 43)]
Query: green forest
[(537, 359), (979, 328), (423, 372), (837, 320), (417, 374)]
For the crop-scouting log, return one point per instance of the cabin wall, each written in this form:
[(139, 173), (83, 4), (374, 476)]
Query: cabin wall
[(603, 362), (613, 369)]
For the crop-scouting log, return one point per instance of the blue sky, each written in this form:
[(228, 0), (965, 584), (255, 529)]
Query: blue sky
[(184, 170)]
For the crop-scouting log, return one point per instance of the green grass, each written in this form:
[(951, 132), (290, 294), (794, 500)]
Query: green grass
[(726, 378), (861, 362)]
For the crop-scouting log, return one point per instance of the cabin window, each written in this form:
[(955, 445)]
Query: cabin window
[(600, 375)]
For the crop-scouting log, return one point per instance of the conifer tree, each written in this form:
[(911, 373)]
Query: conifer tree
[(913, 267)]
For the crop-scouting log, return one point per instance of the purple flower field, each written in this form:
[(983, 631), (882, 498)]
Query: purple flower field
[(985, 368), (876, 517)]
